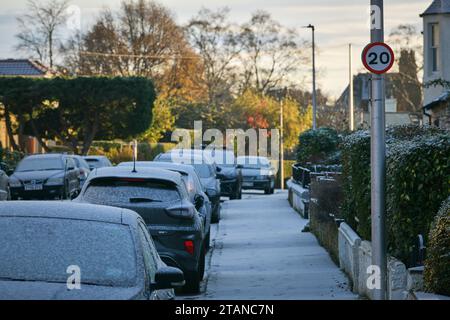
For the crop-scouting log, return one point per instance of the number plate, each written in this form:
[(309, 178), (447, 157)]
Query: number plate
[(247, 184), (33, 187)]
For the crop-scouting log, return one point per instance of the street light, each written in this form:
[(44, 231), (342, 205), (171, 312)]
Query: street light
[(314, 99)]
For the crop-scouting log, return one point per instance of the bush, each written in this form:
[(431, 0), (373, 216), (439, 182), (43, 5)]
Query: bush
[(10, 158), (437, 264), (417, 181), (317, 146)]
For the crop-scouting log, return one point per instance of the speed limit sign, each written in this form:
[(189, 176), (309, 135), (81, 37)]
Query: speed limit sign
[(378, 57)]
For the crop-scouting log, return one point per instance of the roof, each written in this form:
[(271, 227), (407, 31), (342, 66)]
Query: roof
[(66, 210), (445, 97), (143, 173), (438, 7), (182, 168), (184, 156), (23, 67)]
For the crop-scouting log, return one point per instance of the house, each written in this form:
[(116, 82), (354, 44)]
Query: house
[(398, 110), (21, 68), (436, 37)]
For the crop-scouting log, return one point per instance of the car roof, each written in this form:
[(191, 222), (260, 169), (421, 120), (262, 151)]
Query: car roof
[(145, 173), (94, 157), (171, 166), (67, 210), (47, 155), (194, 157)]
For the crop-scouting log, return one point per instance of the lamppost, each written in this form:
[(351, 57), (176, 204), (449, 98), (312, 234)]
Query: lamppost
[(314, 99)]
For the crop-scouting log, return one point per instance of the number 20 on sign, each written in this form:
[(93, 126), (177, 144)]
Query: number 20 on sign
[(378, 57)]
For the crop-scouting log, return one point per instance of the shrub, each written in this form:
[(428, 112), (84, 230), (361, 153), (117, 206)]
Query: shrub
[(418, 173), (10, 158), (417, 181), (317, 145), (437, 264)]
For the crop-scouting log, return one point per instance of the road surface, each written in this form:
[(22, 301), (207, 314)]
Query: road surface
[(259, 252)]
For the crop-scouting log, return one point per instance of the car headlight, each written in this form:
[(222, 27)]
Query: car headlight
[(15, 183), (55, 182)]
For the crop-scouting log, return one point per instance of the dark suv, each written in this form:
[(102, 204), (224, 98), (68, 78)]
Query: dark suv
[(161, 198)]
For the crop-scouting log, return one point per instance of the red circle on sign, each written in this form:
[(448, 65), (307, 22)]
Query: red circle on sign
[(370, 46)]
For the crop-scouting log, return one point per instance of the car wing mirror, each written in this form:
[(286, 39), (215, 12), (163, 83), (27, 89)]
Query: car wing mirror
[(218, 169), (199, 201), (168, 278)]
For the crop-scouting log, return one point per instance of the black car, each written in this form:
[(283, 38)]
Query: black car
[(5, 193), (206, 171), (258, 174), (193, 186), (70, 251), (161, 198), (228, 172), (45, 176)]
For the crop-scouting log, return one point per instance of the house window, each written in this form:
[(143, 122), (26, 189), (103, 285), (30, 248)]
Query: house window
[(434, 47)]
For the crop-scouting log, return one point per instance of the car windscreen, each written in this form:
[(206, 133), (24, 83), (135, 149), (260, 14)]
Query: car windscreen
[(40, 164), (125, 191), (203, 170), (94, 163), (222, 158), (253, 162), (42, 249)]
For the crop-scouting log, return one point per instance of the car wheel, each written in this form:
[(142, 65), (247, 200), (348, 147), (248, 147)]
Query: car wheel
[(215, 218), (208, 241), (193, 280)]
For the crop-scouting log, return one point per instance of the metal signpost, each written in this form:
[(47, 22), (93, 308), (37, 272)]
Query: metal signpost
[(378, 58)]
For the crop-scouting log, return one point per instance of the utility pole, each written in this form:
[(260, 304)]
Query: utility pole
[(282, 139), (314, 98), (350, 99), (378, 157)]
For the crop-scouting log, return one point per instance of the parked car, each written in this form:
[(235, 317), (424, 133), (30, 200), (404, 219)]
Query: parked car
[(161, 198), (5, 193), (45, 176), (96, 162), (257, 173), (229, 172), (193, 186), (206, 171), (45, 243), (84, 168)]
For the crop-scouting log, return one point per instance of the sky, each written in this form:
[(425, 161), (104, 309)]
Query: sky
[(337, 22)]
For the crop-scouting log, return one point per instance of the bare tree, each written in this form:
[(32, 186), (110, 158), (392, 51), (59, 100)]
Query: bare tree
[(38, 29), (217, 42), (271, 52)]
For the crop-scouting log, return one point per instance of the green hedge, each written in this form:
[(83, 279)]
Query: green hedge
[(417, 181), (437, 264), (317, 146)]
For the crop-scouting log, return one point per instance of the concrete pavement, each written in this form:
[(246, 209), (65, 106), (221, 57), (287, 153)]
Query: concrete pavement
[(260, 253)]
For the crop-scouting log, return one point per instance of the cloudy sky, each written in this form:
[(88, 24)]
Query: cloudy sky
[(338, 23)]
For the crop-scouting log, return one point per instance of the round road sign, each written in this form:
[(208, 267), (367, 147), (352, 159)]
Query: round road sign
[(378, 57)]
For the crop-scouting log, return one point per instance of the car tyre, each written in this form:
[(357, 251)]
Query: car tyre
[(193, 280)]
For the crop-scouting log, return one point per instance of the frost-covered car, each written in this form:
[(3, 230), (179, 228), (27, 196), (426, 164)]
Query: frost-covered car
[(161, 199), (72, 251), (96, 162), (257, 173), (45, 176), (193, 186), (206, 171)]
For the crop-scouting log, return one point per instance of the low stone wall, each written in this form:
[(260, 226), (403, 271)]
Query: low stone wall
[(355, 257), (299, 198)]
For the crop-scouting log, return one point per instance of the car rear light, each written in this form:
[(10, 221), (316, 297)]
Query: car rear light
[(181, 211), (189, 246)]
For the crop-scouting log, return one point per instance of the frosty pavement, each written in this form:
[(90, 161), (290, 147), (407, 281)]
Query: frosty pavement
[(260, 253)]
